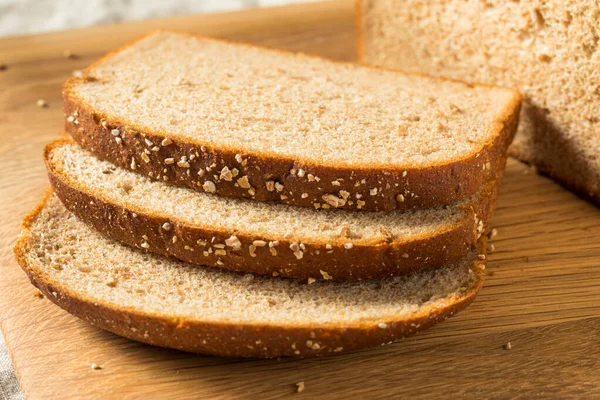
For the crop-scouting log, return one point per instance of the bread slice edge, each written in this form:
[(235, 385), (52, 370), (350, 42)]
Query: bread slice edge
[(431, 186), (234, 339)]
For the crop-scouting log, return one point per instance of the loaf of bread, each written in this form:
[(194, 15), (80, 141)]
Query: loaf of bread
[(168, 303), (242, 121), (547, 49)]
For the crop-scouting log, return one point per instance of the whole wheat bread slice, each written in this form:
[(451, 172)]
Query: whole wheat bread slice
[(549, 50), (168, 303), (243, 121), (255, 237)]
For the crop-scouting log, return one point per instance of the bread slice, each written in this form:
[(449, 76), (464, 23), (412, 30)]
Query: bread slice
[(242, 121), (547, 49), (168, 303), (256, 237)]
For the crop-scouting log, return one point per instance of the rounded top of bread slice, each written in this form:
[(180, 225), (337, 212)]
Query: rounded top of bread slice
[(266, 221), (165, 302), (245, 99)]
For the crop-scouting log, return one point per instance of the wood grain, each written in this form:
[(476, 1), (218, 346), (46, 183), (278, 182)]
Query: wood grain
[(542, 293)]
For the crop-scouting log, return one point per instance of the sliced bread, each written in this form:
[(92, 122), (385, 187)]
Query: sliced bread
[(168, 303), (243, 121), (257, 237), (548, 49)]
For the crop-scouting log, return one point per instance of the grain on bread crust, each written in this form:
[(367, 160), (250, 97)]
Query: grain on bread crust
[(252, 237), (63, 269), (296, 179)]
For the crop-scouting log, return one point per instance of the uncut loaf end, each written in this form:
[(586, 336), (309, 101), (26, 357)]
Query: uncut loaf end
[(547, 49)]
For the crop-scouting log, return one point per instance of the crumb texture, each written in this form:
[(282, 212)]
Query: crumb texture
[(65, 251), (548, 49), (141, 194), (264, 102)]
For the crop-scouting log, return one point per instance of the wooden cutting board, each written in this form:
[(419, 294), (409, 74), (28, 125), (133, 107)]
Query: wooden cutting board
[(542, 294)]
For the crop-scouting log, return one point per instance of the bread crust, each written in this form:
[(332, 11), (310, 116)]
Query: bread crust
[(420, 187), (376, 258), (226, 339)]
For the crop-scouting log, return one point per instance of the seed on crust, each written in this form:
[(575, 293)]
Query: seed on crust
[(233, 242), (252, 250), (209, 187), (243, 182), (325, 275), (333, 200), (226, 174)]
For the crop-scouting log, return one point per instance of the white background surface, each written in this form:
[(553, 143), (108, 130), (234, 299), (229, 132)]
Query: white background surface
[(19, 17)]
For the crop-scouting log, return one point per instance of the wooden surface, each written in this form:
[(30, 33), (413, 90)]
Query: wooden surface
[(542, 293)]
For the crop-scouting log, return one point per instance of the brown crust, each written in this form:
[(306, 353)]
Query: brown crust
[(228, 339), (366, 259), (583, 188), (422, 187)]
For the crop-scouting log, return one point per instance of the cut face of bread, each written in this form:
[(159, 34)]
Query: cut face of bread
[(259, 237), (168, 303), (242, 121), (547, 49)]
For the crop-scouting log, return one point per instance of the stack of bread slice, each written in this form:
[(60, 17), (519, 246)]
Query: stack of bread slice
[(226, 199)]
